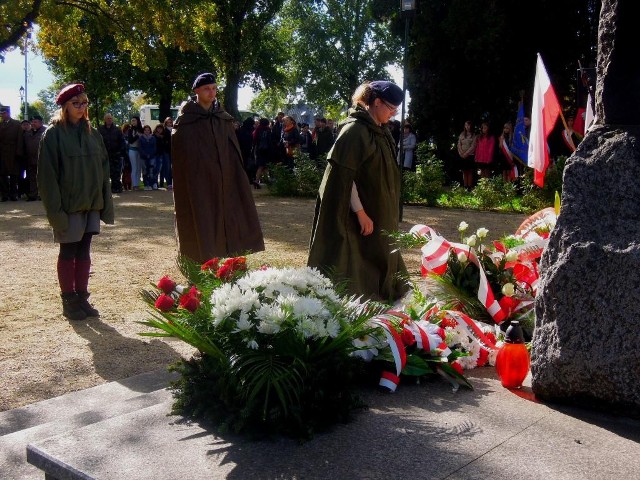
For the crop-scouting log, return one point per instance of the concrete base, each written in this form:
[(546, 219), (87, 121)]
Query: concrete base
[(423, 431)]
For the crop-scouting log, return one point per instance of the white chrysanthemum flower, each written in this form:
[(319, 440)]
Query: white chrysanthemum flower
[(243, 322), (271, 313), (327, 293), (455, 336), (268, 327), (308, 328), (309, 306), (333, 327)]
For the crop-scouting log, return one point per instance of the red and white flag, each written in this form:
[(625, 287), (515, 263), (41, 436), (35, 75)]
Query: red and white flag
[(544, 113), (589, 116)]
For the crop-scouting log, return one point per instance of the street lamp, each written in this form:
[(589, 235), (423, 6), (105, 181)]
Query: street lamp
[(27, 36), (407, 9), (22, 96)]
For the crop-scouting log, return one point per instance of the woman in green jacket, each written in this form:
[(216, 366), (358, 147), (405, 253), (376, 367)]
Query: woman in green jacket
[(359, 200), (74, 183)]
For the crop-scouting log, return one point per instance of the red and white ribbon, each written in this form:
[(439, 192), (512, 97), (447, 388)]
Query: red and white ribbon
[(435, 254), (389, 379)]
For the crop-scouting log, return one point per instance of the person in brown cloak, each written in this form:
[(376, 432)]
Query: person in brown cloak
[(359, 198), (215, 212)]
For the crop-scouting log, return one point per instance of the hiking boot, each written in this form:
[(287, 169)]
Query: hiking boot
[(71, 306), (85, 306)]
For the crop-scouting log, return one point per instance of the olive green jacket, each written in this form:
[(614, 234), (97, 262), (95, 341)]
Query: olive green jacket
[(73, 174), (363, 153)]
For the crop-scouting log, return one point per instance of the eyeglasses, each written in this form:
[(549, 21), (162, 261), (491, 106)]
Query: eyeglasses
[(79, 105), (391, 108)]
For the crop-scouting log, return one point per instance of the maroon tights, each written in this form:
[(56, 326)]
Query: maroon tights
[(74, 265)]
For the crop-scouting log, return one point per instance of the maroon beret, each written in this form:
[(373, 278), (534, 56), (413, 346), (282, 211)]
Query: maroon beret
[(68, 92)]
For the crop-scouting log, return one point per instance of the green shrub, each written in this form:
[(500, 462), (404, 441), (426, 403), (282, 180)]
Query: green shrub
[(457, 197), (426, 184), (303, 181), (494, 193), (535, 198)]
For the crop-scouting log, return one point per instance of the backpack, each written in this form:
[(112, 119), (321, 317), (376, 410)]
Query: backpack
[(264, 141)]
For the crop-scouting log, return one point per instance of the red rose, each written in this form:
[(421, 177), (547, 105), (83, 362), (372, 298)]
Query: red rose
[(164, 303), (224, 272), (189, 302), (193, 291), (457, 367), (483, 358), (239, 264), (211, 264), (407, 337), (166, 284)]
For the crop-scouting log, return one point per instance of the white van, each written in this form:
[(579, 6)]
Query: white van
[(150, 115)]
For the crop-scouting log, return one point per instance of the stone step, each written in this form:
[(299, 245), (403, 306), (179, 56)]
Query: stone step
[(64, 414)]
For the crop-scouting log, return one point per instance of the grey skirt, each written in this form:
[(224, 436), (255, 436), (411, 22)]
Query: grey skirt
[(79, 224)]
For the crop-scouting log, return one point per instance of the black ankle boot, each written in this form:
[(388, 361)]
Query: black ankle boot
[(86, 307), (71, 306)]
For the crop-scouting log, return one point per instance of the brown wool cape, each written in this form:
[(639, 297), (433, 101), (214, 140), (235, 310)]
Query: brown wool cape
[(215, 212), (363, 153)]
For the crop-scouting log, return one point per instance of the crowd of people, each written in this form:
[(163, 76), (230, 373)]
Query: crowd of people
[(265, 142), (138, 157), (483, 154)]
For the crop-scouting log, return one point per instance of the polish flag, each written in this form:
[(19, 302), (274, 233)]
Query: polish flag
[(544, 113), (589, 116)]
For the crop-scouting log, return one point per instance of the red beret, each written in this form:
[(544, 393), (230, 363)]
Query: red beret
[(68, 92)]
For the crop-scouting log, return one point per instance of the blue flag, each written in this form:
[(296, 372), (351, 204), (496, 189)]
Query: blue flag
[(520, 146)]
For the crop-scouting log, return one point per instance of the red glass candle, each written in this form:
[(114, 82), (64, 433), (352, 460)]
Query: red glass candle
[(512, 362)]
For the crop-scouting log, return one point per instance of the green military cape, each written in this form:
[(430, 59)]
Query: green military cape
[(216, 215), (363, 153)]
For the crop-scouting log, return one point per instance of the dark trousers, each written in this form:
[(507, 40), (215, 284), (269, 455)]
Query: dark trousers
[(32, 178), (9, 187), (115, 167)]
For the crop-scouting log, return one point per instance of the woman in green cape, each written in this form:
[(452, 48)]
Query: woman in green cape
[(359, 198)]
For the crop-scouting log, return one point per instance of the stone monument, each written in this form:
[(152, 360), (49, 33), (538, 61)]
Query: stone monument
[(586, 345)]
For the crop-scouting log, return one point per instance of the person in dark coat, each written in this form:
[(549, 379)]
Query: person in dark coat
[(114, 143), (32, 144), (359, 199), (215, 212), (245, 140), (11, 151)]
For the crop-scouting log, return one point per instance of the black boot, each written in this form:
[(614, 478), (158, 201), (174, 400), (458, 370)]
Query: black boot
[(86, 307), (71, 306)]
